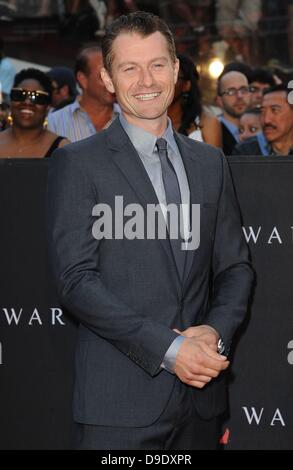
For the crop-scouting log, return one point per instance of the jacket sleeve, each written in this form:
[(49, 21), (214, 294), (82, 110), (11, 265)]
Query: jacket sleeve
[(74, 254)]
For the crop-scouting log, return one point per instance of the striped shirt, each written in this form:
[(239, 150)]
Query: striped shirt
[(73, 122)]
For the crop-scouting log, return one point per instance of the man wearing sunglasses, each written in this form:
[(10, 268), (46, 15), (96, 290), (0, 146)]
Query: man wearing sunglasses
[(64, 90), (234, 98)]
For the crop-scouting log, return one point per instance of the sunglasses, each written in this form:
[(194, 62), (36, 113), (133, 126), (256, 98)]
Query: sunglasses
[(35, 97)]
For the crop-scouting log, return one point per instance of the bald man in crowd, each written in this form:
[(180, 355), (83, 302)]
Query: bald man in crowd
[(93, 110), (234, 98)]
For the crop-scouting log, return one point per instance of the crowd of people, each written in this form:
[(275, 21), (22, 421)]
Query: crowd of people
[(250, 115), (253, 113), (135, 90), (247, 29)]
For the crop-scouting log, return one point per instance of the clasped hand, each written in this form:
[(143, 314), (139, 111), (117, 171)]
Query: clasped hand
[(197, 361)]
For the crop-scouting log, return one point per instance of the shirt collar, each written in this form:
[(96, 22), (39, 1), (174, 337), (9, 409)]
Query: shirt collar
[(145, 142), (263, 144), (169, 136), (75, 105)]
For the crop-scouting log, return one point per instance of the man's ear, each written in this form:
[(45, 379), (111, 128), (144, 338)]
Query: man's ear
[(107, 80), (82, 80)]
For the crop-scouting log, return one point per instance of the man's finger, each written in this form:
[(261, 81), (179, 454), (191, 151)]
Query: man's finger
[(213, 354), (196, 384), (177, 331), (200, 378)]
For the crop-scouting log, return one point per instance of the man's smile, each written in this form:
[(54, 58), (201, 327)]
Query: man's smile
[(147, 96)]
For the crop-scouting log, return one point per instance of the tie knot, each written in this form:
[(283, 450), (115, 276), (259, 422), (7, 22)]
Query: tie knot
[(162, 144)]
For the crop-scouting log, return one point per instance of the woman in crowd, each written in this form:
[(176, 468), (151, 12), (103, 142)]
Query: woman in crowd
[(186, 112), (27, 137), (250, 124)]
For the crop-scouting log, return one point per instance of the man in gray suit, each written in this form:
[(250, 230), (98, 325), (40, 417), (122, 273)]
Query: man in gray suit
[(156, 317)]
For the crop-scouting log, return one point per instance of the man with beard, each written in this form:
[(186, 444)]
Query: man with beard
[(234, 98)]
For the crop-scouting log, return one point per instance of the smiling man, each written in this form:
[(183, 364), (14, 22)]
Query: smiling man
[(143, 73), (156, 320)]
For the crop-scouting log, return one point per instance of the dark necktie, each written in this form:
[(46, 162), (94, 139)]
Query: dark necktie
[(173, 196)]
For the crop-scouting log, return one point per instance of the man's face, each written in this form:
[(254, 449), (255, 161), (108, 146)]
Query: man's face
[(59, 93), (92, 83), (257, 90), (143, 76), (276, 116), (235, 104)]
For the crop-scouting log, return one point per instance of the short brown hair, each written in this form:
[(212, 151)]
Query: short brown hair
[(140, 22)]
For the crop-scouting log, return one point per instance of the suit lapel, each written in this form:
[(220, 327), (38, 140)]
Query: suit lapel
[(127, 159)]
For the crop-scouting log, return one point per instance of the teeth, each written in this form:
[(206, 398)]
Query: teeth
[(27, 111), (147, 96)]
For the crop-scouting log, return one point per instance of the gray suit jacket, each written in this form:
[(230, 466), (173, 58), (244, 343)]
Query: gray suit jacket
[(127, 294)]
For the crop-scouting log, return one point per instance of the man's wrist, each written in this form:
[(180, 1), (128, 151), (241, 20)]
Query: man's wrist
[(169, 360), (213, 331), (221, 348)]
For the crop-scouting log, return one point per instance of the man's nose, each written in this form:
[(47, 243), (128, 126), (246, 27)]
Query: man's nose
[(267, 117), (145, 78), (239, 96)]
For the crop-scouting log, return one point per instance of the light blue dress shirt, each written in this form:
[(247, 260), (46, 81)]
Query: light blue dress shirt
[(263, 144)]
